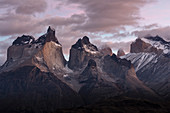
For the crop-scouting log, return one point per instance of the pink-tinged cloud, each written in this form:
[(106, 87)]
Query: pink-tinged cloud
[(18, 24), (163, 32), (108, 15), (157, 12), (25, 6), (98, 15)]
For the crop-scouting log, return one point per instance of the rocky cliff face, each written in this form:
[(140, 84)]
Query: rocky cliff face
[(95, 86), (81, 52), (123, 72), (113, 76), (152, 68), (120, 53), (105, 50), (45, 53), (151, 44), (36, 75), (29, 89), (141, 46)]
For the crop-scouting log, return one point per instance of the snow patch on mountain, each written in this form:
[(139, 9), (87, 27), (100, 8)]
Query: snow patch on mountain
[(158, 44), (140, 59), (58, 45), (90, 49)]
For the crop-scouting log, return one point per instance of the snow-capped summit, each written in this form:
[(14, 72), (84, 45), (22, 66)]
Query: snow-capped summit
[(158, 43), (150, 44), (23, 40), (150, 57), (36, 74)]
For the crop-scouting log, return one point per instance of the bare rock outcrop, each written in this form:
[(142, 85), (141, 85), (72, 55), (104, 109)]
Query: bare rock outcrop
[(45, 53), (120, 53), (123, 72), (141, 46), (105, 50), (81, 52)]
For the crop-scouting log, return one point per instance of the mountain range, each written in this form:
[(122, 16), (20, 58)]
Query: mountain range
[(37, 78)]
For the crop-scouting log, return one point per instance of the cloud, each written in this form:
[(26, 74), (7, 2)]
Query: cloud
[(19, 24), (98, 15), (64, 21), (25, 6), (24, 24), (162, 31), (109, 15), (150, 26)]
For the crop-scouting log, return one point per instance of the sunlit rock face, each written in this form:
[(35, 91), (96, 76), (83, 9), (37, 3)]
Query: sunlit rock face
[(37, 75), (101, 70), (81, 52), (141, 45), (51, 55), (45, 53)]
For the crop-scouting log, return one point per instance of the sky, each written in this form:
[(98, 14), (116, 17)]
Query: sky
[(115, 23)]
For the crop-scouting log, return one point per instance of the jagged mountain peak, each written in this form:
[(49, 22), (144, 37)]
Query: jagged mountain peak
[(27, 39), (85, 44), (157, 38), (144, 45), (44, 53), (47, 37), (50, 29), (158, 42), (39, 66), (82, 51), (85, 40), (50, 36), (23, 40)]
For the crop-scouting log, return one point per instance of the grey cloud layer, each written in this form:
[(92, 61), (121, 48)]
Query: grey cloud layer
[(63, 21), (114, 45), (18, 24), (109, 15), (99, 15), (163, 32), (25, 6)]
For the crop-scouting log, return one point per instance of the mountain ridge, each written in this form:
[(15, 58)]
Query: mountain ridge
[(89, 76), (152, 67)]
